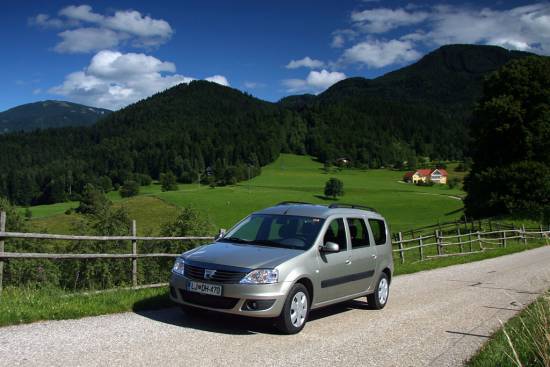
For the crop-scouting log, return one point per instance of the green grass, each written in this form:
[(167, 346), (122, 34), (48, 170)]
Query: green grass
[(18, 306), (150, 213), (529, 343), (291, 177)]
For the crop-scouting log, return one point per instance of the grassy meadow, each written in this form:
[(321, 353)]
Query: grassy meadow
[(291, 177)]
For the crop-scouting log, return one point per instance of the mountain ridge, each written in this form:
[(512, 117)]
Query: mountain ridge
[(48, 114)]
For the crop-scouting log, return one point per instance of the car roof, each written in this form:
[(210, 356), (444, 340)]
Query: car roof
[(317, 211)]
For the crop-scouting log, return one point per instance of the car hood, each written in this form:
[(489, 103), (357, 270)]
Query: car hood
[(241, 255)]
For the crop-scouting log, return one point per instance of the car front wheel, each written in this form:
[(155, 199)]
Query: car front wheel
[(379, 298), (294, 315)]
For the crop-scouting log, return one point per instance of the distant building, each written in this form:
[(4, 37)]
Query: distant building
[(342, 161), (438, 176)]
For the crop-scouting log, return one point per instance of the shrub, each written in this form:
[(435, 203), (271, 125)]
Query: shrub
[(129, 189), (334, 187), (168, 181), (453, 182), (92, 201)]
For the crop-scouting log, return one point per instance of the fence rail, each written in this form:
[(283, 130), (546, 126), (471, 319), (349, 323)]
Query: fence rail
[(476, 241), (133, 238)]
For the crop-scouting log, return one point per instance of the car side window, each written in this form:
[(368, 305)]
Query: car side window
[(358, 233), (378, 228), (336, 233)]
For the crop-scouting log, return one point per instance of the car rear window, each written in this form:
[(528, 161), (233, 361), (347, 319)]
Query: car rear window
[(358, 232), (378, 228)]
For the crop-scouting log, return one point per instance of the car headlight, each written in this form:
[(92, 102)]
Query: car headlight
[(179, 266), (261, 276)]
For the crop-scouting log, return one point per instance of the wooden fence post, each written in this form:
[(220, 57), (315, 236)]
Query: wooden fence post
[(479, 240), (134, 252), (421, 248), (504, 238), (438, 243), (523, 234), (2, 229), (460, 240), (541, 232), (401, 251)]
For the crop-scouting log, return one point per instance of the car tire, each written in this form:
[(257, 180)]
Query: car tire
[(295, 311), (379, 298)]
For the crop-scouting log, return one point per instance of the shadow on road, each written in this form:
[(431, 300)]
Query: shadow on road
[(236, 325)]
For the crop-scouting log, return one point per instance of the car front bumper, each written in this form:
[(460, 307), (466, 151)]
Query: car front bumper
[(235, 297)]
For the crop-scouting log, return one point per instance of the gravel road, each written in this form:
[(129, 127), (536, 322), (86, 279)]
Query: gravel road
[(435, 318)]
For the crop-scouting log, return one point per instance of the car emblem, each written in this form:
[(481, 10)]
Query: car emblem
[(208, 273)]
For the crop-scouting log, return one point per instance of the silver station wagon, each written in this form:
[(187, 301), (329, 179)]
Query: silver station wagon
[(283, 261)]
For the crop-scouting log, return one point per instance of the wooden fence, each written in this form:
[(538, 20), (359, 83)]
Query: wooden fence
[(133, 238), (439, 244)]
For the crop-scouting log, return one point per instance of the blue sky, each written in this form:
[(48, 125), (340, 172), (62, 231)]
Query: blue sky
[(109, 55)]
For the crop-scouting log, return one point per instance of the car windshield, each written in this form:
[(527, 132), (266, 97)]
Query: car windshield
[(286, 231)]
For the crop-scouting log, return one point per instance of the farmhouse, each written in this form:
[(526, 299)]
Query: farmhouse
[(438, 175)]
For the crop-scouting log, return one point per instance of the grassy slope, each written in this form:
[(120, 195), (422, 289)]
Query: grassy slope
[(529, 333), (291, 177)]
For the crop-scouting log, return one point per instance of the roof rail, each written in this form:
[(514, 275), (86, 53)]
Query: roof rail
[(292, 202), (353, 206)]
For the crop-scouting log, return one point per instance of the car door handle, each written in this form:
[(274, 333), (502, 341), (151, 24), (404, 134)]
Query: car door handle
[(348, 261), (373, 256)]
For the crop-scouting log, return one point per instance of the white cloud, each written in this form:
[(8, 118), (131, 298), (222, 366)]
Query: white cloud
[(253, 85), (87, 31), (306, 62), (132, 22), (377, 54), (81, 12), (338, 41), (522, 28), (525, 28), (114, 80), (316, 81), (87, 39), (382, 20), (219, 79), (44, 21)]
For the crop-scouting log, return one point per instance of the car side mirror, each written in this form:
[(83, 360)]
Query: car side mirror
[(330, 247), (220, 234)]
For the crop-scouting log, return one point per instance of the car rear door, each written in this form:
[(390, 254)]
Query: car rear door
[(334, 267), (363, 255)]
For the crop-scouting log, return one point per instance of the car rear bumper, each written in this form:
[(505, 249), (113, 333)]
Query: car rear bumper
[(235, 299)]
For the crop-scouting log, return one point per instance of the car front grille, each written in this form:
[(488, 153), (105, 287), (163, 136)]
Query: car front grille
[(223, 303), (220, 276)]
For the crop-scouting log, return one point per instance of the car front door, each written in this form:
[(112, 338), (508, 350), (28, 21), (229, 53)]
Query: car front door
[(363, 255), (334, 267)]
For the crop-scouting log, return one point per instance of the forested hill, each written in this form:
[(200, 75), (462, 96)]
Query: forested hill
[(422, 109), (46, 114), (188, 129), (203, 127)]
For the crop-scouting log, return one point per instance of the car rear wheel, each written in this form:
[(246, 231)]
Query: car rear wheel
[(379, 298), (294, 315)]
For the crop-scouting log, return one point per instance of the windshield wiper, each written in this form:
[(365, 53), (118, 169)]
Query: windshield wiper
[(235, 239)]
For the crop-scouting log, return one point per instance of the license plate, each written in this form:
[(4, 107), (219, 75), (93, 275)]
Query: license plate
[(205, 288)]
